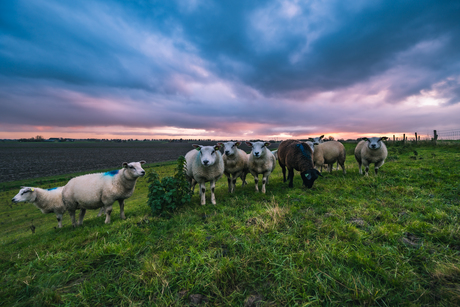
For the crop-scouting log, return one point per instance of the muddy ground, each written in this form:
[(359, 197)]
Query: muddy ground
[(19, 161)]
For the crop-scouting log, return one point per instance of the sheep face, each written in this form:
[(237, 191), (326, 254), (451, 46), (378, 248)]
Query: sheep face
[(208, 154), (374, 143), (312, 145), (230, 148), (317, 140), (258, 148), (25, 194), (309, 177), (134, 169)]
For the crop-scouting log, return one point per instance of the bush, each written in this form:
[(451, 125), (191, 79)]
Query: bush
[(171, 192)]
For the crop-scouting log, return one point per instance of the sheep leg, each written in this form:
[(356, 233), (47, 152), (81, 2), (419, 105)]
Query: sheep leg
[(291, 177), (366, 168), (329, 168), (256, 181), (81, 216), (360, 170), (59, 219), (343, 168), (192, 186), (108, 212), (203, 193), (264, 181), (101, 211), (229, 181), (213, 187), (72, 217), (121, 202), (377, 166)]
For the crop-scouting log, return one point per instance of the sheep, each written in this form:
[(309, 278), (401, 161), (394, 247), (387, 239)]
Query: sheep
[(48, 201), (328, 153), (204, 164), (371, 150), (261, 161), (275, 153), (235, 164), (317, 140), (93, 191), (312, 146), (294, 154)]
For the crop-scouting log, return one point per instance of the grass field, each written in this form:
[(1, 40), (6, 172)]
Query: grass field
[(386, 240)]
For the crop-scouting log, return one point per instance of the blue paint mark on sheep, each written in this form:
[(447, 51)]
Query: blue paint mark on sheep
[(305, 153), (51, 189), (111, 173)]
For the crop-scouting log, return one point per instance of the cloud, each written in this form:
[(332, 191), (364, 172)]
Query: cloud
[(264, 68)]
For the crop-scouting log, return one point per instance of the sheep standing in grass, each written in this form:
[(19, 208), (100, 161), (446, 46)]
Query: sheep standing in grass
[(48, 201), (94, 191), (371, 150), (204, 164), (261, 161), (297, 155), (328, 153), (236, 163)]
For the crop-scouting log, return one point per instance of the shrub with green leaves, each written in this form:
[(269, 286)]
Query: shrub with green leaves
[(171, 192)]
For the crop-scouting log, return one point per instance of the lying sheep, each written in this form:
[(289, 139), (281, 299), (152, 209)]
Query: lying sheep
[(204, 164), (293, 154), (48, 201), (98, 190), (261, 161), (235, 164), (328, 153), (371, 150)]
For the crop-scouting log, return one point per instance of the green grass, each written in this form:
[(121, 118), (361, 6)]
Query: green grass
[(388, 240)]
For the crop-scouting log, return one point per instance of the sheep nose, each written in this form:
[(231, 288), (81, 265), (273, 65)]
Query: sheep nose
[(227, 152), (143, 173), (205, 162), (373, 145), (256, 154)]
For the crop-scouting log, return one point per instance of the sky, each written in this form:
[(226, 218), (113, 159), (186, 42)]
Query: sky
[(228, 69)]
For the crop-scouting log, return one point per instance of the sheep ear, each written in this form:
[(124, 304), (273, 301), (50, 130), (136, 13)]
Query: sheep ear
[(125, 164), (321, 137), (220, 144), (249, 144), (365, 139), (217, 147), (384, 138), (142, 162), (197, 147), (308, 176), (238, 144), (267, 144)]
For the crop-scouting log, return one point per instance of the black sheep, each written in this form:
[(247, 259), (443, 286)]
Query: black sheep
[(297, 155)]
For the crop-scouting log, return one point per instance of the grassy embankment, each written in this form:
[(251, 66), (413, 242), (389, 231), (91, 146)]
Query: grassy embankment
[(388, 240)]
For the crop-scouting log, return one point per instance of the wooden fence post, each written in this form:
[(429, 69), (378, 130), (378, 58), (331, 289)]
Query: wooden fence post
[(394, 140), (404, 138), (416, 138), (435, 137)]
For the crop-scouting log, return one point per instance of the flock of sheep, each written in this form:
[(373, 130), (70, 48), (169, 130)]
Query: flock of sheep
[(205, 164)]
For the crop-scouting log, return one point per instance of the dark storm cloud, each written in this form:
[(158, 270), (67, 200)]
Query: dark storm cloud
[(218, 64)]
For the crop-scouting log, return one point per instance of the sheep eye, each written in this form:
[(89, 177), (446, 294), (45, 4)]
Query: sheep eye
[(213, 152), (131, 166)]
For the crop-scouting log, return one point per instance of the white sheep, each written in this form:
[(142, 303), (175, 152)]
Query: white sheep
[(236, 164), (312, 145), (328, 153), (93, 191), (371, 150), (204, 164), (317, 140), (47, 200), (261, 161)]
